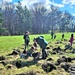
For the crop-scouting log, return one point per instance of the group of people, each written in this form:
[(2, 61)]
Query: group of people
[(53, 36), (71, 40), (41, 42)]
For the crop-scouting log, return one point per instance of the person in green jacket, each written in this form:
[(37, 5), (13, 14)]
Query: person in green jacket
[(42, 43), (26, 39)]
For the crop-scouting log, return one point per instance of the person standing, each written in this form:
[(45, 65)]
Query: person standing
[(55, 36), (52, 35), (71, 39), (26, 39), (62, 36)]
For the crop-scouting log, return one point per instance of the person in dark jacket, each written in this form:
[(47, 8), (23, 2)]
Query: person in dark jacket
[(55, 36), (63, 36), (52, 35), (42, 43), (26, 39)]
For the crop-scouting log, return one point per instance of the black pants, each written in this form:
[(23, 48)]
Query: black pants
[(26, 44), (44, 54)]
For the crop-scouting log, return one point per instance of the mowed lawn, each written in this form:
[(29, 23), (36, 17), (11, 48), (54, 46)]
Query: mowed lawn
[(8, 43)]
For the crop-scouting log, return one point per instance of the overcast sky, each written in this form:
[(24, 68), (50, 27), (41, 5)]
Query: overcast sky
[(68, 5)]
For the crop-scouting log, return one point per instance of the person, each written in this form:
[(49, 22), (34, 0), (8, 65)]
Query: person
[(55, 36), (42, 43), (62, 36), (26, 39), (28, 53), (52, 35), (71, 39), (35, 43)]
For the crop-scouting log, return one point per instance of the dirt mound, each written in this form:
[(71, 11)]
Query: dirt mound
[(58, 49), (65, 67), (18, 64), (73, 50), (48, 67), (49, 59), (64, 59), (10, 66), (58, 42), (4, 63), (2, 58), (72, 70), (54, 52), (14, 52), (47, 47), (36, 55)]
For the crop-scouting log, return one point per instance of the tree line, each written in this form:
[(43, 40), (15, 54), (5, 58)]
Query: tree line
[(16, 20)]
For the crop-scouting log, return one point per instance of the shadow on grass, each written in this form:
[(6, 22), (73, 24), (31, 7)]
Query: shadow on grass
[(20, 64), (29, 63)]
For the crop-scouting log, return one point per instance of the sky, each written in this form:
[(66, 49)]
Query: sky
[(68, 5)]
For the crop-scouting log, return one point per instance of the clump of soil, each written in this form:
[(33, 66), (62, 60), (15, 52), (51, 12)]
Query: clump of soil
[(48, 67), (2, 58), (14, 52), (65, 66), (18, 64), (72, 70)]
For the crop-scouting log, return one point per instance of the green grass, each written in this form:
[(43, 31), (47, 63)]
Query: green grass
[(8, 43)]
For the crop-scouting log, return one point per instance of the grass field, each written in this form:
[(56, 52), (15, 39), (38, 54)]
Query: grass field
[(8, 43)]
